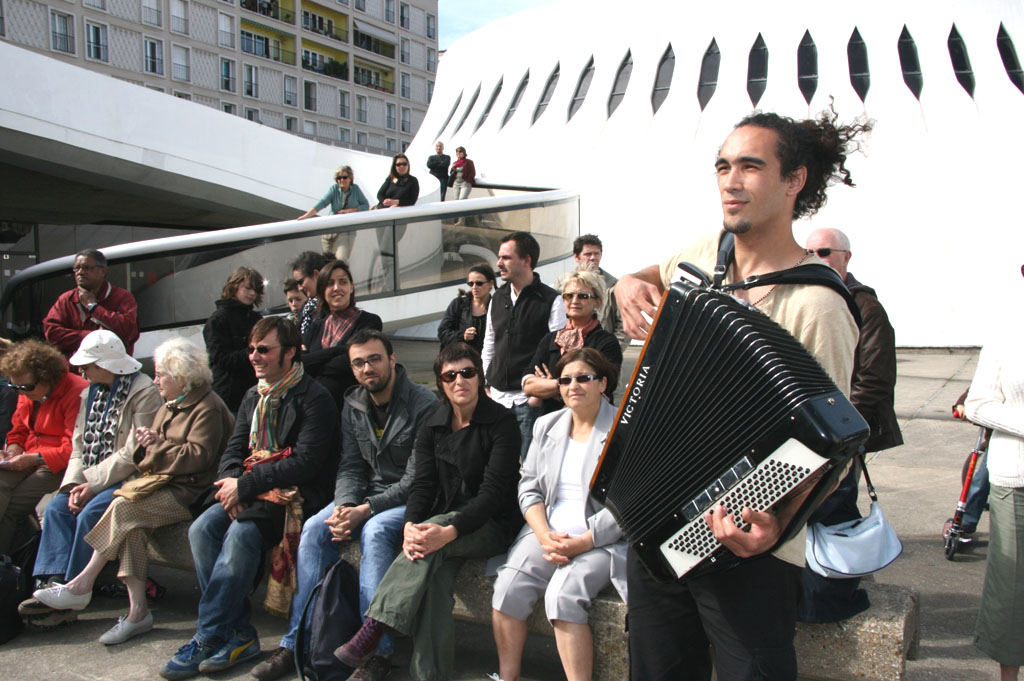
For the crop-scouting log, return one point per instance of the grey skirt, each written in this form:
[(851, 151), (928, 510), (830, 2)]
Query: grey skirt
[(999, 632)]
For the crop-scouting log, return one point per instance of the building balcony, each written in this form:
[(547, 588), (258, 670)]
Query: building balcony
[(179, 25), (151, 15), (180, 72), (331, 67), (227, 38), (262, 49), (269, 9), (339, 34), (63, 42)]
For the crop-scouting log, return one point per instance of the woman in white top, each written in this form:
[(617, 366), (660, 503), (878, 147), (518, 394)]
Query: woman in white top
[(996, 400), (571, 547)]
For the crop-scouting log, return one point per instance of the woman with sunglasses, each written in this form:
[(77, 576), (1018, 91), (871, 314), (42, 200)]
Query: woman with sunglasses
[(39, 442), (227, 335), (179, 453), (571, 547), (344, 196), (400, 188), (324, 343), (583, 291), (461, 505), (466, 317)]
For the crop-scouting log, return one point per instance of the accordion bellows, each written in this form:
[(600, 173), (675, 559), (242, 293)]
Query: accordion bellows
[(724, 406)]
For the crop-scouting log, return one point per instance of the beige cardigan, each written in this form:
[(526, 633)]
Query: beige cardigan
[(140, 409)]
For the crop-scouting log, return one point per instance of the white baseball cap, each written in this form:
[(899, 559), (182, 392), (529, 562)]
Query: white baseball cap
[(105, 349)]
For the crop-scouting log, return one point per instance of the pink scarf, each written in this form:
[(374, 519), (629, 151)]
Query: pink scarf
[(337, 325), (572, 339)]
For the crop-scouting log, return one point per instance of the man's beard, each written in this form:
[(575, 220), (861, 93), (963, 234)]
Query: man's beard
[(740, 227), (378, 387)]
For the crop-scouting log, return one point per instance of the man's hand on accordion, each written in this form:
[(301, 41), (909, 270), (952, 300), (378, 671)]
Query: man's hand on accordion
[(638, 294), (760, 535)]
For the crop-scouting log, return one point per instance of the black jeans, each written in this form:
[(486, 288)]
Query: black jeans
[(747, 613)]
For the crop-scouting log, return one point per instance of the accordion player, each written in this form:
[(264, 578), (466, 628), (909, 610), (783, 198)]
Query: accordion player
[(724, 407)]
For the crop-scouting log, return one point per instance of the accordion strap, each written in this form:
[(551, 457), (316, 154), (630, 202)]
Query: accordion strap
[(816, 275), (867, 478)]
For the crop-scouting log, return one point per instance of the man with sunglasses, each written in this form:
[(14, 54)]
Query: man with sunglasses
[(872, 392), (277, 469), (93, 304), (771, 171), (379, 423)]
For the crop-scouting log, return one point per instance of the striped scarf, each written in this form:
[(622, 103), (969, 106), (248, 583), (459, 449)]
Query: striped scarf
[(337, 325), (105, 405), (263, 433)]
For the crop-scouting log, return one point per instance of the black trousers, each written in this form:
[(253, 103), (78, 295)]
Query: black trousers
[(747, 613)]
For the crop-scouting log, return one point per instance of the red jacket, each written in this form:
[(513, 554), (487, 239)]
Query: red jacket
[(54, 424), (67, 322)]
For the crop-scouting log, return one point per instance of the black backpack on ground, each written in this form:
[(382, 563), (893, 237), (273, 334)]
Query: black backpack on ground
[(335, 619), (16, 584)]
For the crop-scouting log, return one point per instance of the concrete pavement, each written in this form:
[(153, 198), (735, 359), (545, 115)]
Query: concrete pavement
[(918, 485)]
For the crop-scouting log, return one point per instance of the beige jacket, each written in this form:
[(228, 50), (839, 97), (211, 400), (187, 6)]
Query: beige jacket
[(139, 411)]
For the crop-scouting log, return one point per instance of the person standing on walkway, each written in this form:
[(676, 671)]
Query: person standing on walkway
[(463, 174), (344, 196), (438, 166)]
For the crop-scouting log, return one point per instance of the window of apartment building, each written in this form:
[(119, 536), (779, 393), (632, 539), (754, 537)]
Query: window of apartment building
[(360, 109), (250, 81), (343, 104), (225, 30), (179, 62), (431, 60), (406, 120), (62, 32), (430, 90), (389, 11), (252, 114), (406, 86), (389, 120), (313, 60), (227, 75), (179, 16), (309, 128), (364, 76), (392, 144), (153, 56), (3, 31), (431, 26), (95, 41), (291, 87), (405, 146), (309, 95), (183, 95), (155, 88), (256, 44), (360, 5), (361, 138), (96, 4), (405, 51), (403, 16), (291, 123), (228, 108), (344, 134), (151, 13)]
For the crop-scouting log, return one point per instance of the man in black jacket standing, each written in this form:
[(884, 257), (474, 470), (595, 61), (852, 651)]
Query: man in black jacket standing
[(872, 392), (438, 165), (279, 467), (522, 312)]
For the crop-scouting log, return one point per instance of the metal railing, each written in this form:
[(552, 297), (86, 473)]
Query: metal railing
[(227, 83), (63, 42), (155, 65), (367, 80), (227, 38), (339, 34), (152, 15), (269, 9), (331, 67), (180, 72), (95, 50), (260, 48), (179, 24)]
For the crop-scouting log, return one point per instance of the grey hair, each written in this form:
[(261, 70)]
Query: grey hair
[(184, 361)]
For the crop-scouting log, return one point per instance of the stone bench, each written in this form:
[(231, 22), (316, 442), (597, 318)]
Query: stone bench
[(872, 646)]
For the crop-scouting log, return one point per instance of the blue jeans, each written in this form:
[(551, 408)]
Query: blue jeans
[(62, 548), (380, 540), (977, 495), (227, 556), (525, 415)]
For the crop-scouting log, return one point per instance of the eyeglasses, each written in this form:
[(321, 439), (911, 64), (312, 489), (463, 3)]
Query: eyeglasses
[(825, 252), (581, 379), (262, 349), (26, 388), (581, 296), (476, 283), (342, 177), (359, 363), (401, 163), (84, 268), (466, 372)]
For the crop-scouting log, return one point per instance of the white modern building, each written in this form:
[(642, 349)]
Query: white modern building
[(354, 73)]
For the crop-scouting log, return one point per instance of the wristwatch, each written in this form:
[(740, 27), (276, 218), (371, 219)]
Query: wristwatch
[(90, 307)]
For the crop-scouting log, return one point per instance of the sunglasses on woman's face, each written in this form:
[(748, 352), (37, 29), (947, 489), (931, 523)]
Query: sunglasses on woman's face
[(25, 388), (581, 296), (581, 379), (466, 372), (476, 283)]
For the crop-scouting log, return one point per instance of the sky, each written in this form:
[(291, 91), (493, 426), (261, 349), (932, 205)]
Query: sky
[(459, 17)]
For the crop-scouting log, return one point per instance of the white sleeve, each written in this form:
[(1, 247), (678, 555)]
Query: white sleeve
[(488, 351), (557, 318)]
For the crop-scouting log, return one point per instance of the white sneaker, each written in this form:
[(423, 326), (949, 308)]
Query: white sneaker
[(59, 598), (124, 630), (492, 677)]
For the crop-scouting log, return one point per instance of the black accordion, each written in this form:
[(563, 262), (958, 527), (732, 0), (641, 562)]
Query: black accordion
[(724, 406)]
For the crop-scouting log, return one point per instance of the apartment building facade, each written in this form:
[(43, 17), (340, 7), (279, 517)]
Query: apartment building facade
[(354, 73)]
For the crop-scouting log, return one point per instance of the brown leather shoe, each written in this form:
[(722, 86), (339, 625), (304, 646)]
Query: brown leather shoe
[(281, 663), (375, 669)]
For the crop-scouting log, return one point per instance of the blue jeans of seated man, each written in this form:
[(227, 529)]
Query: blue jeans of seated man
[(380, 540), (525, 415), (62, 548), (977, 495), (227, 556)]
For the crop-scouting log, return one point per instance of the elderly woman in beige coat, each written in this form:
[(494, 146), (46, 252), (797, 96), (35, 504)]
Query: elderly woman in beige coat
[(571, 547), (119, 399), (178, 459)]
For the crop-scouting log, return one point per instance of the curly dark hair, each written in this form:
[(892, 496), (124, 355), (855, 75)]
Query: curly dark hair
[(42, 360), (817, 144)]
